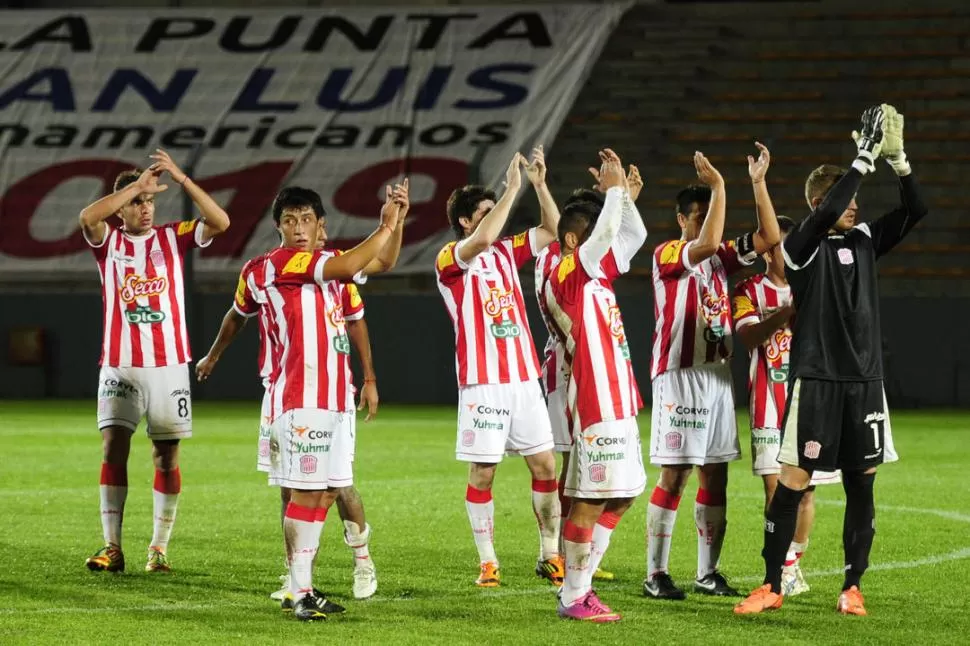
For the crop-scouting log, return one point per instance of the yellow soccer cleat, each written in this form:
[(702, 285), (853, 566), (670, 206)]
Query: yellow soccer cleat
[(553, 570), (107, 559), (490, 576), (157, 561), (603, 575)]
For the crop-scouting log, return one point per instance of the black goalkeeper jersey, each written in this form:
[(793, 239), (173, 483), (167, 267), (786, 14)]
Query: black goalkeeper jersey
[(836, 333)]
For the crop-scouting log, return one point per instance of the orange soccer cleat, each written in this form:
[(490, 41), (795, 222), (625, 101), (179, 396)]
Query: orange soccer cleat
[(490, 577), (758, 601), (852, 603), (553, 570)]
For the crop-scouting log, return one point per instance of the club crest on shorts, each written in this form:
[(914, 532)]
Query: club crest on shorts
[(812, 449), (308, 464), (845, 256), (597, 472), (674, 441), (467, 438)]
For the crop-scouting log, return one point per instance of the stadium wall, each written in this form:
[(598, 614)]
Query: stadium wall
[(414, 347)]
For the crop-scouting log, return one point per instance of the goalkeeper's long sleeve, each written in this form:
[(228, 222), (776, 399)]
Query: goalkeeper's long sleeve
[(803, 241)]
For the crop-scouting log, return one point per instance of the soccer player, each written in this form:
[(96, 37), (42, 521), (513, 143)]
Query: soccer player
[(762, 315), (500, 402), (349, 504), (837, 415), (605, 472), (145, 350), (311, 400), (693, 420)]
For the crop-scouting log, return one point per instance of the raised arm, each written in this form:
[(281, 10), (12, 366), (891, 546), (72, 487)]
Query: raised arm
[(612, 181), (712, 231), (803, 240), (491, 226), (768, 234), (349, 264), (92, 217), (753, 335), (548, 211), (215, 218), (232, 323), (633, 232), (396, 198)]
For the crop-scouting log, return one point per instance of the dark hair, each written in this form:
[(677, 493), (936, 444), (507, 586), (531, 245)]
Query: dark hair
[(127, 177), (295, 197), (821, 180), (691, 194), (785, 223), (585, 195), (577, 217), (463, 202)]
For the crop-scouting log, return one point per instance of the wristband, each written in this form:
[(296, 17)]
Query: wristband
[(386, 226), (184, 180), (370, 381)]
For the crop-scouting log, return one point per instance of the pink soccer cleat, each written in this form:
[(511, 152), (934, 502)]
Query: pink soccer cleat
[(588, 608)]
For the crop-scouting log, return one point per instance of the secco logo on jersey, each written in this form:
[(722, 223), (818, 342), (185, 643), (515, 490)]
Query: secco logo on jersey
[(499, 301), (778, 345), (617, 331), (137, 287)]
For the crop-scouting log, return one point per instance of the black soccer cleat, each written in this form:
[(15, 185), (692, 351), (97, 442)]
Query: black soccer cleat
[(715, 585), (327, 607), (308, 609), (661, 586)]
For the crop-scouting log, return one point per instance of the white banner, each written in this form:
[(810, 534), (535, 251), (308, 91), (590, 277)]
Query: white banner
[(339, 100)]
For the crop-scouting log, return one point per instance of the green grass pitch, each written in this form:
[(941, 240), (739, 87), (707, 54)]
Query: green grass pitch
[(226, 548)]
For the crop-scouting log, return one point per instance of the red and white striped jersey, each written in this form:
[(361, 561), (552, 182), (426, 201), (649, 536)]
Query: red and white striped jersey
[(755, 299), (691, 306), (602, 386), (554, 368), (493, 343), (143, 295), (353, 306), (305, 328)]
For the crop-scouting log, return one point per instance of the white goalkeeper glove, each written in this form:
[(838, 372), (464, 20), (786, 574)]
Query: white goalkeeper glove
[(892, 141), (869, 142)]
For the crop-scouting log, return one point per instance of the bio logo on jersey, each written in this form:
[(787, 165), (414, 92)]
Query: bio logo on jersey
[(144, 314), (617, 330), (777, 348), (135, 286)]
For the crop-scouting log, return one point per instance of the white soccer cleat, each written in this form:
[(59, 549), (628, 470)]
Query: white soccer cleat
[(284, 588), (365, 581), (793, 581)]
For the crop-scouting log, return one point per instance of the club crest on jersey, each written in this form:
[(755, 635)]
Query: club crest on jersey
[(845, 256), (597, 472), (812, 450), (135, 287), (308, 464), (157, 257), (499, 301)]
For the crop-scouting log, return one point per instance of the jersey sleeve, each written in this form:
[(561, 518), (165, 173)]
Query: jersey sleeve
[(353, 304), (100, 251), (745, 305), (671, 259), (244, 301), (521, 248), (188, 234), (738, 253), (447, 266)]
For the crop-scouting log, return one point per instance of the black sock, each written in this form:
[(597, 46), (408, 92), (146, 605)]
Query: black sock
[(779, 530), (859, 525)]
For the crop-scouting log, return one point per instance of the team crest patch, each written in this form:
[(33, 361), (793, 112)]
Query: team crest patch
[(845, 256), (157, 257), (308, 464), (467, 438), (597, 472), (812, 450), (674, 441)]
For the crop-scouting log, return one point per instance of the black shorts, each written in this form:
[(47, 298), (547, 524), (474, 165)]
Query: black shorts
[(832, 425)]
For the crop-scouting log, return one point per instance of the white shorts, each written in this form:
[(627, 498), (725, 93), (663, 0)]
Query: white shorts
[(160, 394), (497, 418), (693, 417), (263, 451), (312, 449), (607, 462), (556, 405), (765, 444)]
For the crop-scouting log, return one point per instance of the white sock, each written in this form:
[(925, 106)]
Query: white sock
[(357, 541), (711, 520), (795, 552), (113, 492), (602, 532), (545, 504), (165, 496), (481, 515), (578, 581), (661, 515), (302, 532)]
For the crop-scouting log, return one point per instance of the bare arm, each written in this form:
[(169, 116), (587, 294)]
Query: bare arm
[(360, 337), (387, 258), (549, 213), (215, 218), (755, 334), (712, 231), (232, 323), (491, 226), (347, 265), (92, 217), (768, 234)]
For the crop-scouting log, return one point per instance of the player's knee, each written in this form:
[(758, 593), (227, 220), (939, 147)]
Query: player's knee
[(165, 454), (795, 478), (619, 506), (115, 444), (673, 479), (481, 475)]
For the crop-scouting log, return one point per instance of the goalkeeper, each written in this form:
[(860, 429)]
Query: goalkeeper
[(837, 416)]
